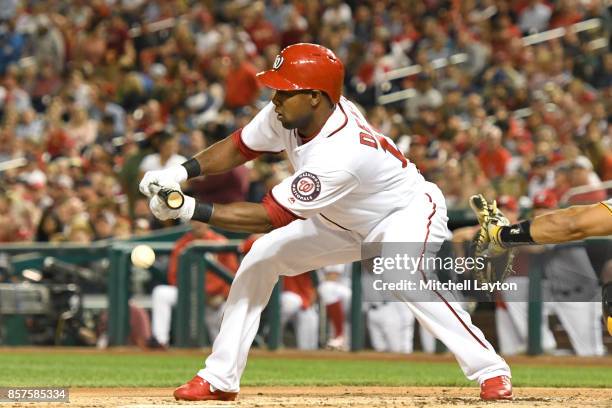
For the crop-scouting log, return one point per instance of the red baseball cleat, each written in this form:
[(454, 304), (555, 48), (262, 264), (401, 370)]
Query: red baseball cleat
[(198, 389), (496, 388)]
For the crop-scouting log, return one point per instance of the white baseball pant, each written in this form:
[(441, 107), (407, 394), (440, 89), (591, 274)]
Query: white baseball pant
[(310, 244)]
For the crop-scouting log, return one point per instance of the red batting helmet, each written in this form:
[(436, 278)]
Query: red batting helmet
[(306, 66)]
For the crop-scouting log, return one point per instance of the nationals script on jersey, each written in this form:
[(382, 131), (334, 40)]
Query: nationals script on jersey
[(348, 174)]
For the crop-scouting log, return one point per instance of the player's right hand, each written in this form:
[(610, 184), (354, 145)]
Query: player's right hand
[(155, 180)]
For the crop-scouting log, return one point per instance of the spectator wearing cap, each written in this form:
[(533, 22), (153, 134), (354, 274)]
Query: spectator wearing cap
[(48, 227), (542, 176), (545, 199), (261, 31), (81, 128), (534, 16), (166, 154), (30, 126), (104, 108), (79, 231), (581, 175), (241, 86), (493, 157), (426, 96), (142, 226)]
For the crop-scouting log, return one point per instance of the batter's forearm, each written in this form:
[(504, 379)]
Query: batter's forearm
[(241, 217), (219, 158)]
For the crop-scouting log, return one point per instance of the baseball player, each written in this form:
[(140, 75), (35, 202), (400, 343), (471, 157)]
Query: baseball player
[(569, 278), (297, 306), (335, 293), (165, 297), (559, 226), (351, 187)]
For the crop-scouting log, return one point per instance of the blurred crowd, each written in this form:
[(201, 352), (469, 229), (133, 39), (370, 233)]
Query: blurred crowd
[(94, 93)]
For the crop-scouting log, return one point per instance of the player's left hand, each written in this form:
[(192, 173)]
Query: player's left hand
[(162, 212), (169, 179), (498, 259), (491, 219)]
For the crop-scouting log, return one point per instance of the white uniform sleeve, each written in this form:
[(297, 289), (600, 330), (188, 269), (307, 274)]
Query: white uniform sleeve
[(263, 133), (309, 191)]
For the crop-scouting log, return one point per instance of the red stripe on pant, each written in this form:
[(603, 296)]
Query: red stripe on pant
[(435, 291)]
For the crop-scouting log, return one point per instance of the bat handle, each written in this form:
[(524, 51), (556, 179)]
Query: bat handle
[(174, 199)]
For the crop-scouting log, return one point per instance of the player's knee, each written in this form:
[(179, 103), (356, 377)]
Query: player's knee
[(290, 302)]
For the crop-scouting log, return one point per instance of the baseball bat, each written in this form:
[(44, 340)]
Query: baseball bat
[(174, 199)]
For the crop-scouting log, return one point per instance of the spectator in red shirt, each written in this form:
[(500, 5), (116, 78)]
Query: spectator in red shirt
[(261, 31), (296, 306), (241, 86), (164, 297), (493, 157), (565, 14)]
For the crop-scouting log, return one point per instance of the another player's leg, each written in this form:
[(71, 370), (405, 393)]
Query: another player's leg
[(606, 295), (293, 249), (334, 295), (607, 305), (163, 300), (582, 322)]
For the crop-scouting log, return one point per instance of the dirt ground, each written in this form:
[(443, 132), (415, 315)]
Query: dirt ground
[(362, 397)]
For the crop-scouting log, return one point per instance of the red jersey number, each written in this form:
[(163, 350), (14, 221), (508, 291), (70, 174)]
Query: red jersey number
[(370, 140)]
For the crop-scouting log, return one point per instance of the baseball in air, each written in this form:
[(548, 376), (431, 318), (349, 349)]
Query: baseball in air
[(142, 256)]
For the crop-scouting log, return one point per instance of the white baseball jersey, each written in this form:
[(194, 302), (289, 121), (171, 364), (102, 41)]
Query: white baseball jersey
[(349, 174)]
